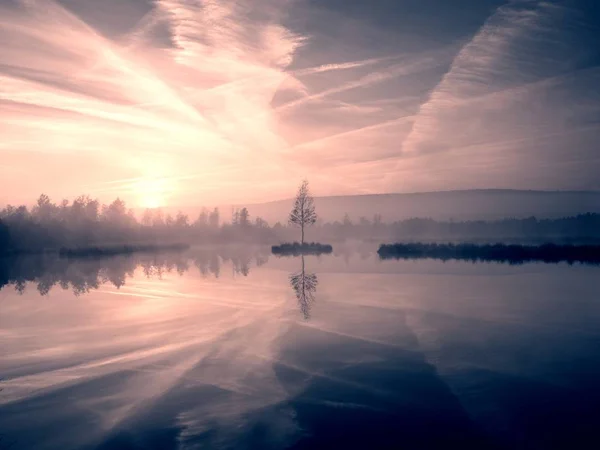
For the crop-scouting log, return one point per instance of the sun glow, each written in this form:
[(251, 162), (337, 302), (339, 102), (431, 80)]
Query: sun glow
[(151, 193)]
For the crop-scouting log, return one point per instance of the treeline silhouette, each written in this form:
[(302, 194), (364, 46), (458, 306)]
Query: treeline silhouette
[(583, 228), (86, 223), (512, 254), (47, 271)]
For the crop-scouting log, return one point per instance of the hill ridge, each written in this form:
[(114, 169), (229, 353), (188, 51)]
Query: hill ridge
[(466, 204)]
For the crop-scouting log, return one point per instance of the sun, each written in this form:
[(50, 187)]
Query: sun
[(151, 202), (151, 192)]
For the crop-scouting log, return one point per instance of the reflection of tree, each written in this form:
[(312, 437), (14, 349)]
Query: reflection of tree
[(83, 275), (304, 285), (86, 274), (241, 265), (207, 262), (240, 257), (262, 259)]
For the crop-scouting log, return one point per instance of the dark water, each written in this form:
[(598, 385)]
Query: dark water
[(237, 349)]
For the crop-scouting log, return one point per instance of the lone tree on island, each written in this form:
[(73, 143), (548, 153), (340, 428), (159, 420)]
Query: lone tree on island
[(303, 214)]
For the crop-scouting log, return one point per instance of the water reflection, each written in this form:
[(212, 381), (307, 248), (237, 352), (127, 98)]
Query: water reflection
[(86, 274), (419, 354), (81, 276), (304, 286)]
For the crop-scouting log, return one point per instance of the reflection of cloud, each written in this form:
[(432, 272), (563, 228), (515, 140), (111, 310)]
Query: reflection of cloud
[(185, 354)]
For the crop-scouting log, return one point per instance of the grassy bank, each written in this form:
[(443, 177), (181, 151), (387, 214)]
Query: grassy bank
[(97, 251)]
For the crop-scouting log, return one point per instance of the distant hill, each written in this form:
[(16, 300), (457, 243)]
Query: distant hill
[(488, 204)]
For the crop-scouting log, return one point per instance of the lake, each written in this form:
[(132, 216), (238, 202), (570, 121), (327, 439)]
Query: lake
[(233, 348)]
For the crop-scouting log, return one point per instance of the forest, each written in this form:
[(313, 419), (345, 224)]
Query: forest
[(85, 222)]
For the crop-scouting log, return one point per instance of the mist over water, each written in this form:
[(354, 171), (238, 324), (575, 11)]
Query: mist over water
[(231, 347)]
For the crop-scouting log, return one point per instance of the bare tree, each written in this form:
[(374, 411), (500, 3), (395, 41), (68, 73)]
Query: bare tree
[(303, 214)]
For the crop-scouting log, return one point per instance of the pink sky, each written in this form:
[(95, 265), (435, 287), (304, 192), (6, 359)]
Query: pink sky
[(189, 102)]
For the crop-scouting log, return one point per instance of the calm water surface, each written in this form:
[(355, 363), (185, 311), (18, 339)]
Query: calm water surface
[(237, 349)]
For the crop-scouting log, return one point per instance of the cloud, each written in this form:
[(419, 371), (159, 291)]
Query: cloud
[(342, 66), (517, 80), (356, 132), (473, 68), (201, 98), (236, 100), (514, 55), (404, 68)]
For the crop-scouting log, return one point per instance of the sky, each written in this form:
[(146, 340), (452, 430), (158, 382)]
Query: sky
[(206, 102)]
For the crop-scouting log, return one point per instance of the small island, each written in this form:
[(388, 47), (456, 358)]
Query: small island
[(512, 254), (297, 249), (302, 215)]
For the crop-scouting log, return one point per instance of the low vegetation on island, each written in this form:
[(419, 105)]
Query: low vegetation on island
[(512, 254), (297, 248)]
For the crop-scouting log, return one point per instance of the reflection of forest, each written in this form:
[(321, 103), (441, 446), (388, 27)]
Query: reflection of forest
[(84, 275), (304, 286)]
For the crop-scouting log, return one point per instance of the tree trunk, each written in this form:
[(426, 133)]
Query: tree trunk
[(302, 242)]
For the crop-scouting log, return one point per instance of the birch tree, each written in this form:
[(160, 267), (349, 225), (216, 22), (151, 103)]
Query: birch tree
[(303, 213)]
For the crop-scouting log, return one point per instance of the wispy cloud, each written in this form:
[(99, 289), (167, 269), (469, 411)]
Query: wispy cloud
[(515, 81), (473, 68), (354, 132), (343, 66), (208, 95), (420, 64), (235, 100)]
